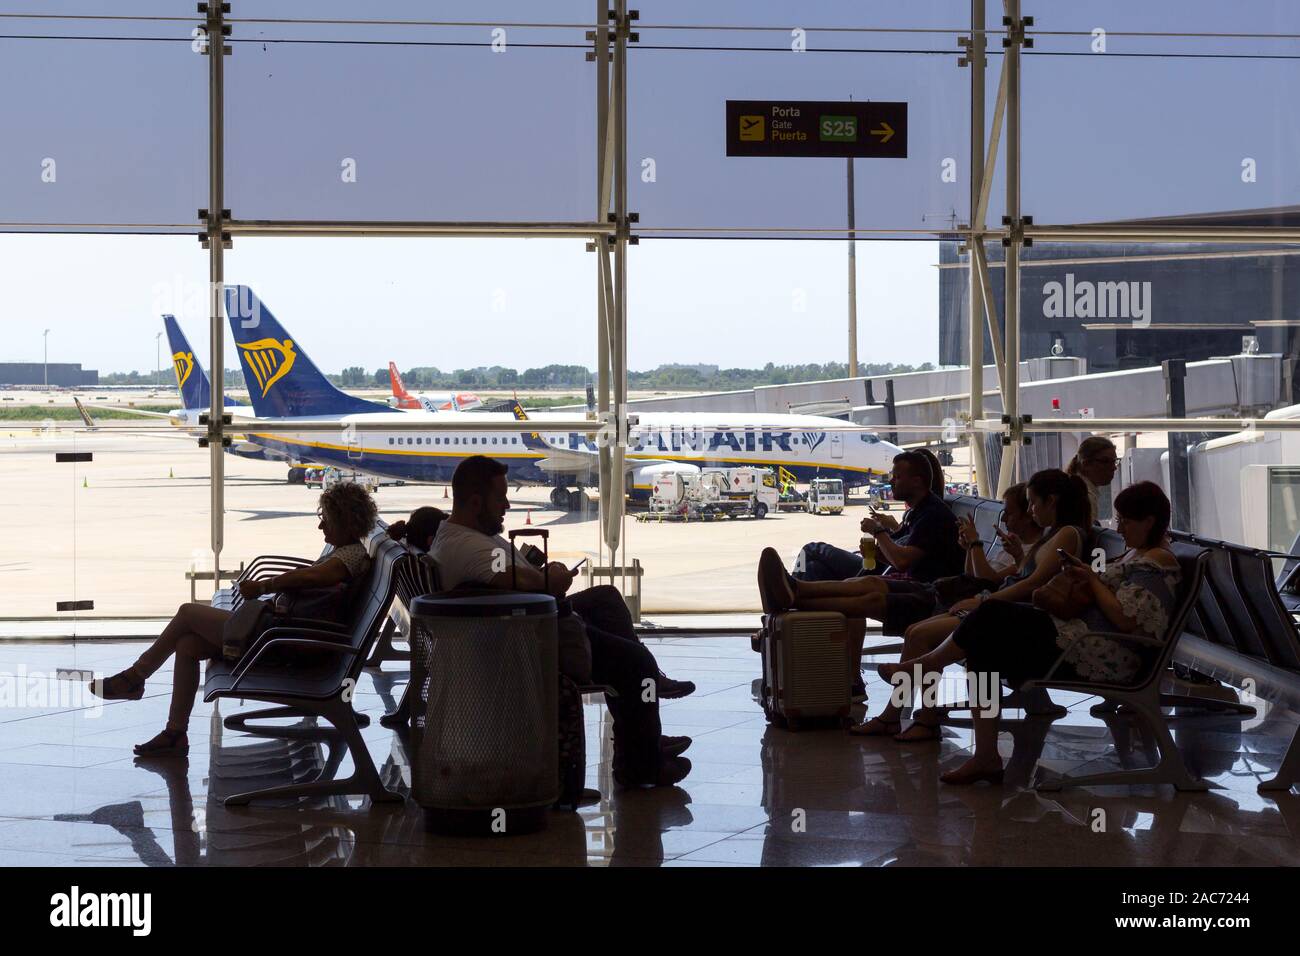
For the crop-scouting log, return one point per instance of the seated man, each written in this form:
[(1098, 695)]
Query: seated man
[(469, 549), (601, 606), (923, 547)]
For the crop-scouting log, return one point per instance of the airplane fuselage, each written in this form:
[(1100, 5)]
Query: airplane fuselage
[(806, 445)]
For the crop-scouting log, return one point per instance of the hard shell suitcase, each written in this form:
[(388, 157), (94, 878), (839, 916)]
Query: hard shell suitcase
[(807, 672)]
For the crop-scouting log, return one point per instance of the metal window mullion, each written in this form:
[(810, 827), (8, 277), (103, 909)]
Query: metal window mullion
[(1011, 296), (975, 296), (614, 508), (216, 47), (414, 228)]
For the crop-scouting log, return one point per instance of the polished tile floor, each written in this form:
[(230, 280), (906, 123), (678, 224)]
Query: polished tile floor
[(71, 793)]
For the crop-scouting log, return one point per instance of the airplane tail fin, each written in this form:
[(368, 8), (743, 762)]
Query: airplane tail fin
[(191, 380), (531, 439), (85, 415), (399, 389), (281, 379)]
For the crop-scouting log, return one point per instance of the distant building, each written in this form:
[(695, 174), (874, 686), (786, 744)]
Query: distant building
[(1134, 304), (64, 374)]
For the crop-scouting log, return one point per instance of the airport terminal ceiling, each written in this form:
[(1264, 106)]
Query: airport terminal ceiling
[(515, 132)]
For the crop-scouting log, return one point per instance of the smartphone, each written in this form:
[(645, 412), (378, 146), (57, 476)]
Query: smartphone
[(1067, 557), (578, 566)]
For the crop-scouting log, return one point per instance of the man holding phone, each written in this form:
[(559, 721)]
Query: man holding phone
[(470, 550)]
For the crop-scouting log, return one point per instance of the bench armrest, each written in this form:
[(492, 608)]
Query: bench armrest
[(303, 638), (1141, 640), (268, 565)]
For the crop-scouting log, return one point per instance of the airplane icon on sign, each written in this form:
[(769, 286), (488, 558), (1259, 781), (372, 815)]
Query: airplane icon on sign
[(752, 128)]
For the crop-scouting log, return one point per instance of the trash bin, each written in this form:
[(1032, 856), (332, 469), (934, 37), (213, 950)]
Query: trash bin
[(484, 715)]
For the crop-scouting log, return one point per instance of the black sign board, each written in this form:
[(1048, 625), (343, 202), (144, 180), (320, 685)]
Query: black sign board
[(816, 128)]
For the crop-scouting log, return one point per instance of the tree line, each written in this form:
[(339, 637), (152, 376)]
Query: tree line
[(705, 378)]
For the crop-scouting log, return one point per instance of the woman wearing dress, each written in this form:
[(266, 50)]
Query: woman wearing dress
[(347, 514), (1017, 642)]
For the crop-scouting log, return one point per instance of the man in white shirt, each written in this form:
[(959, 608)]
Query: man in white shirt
[(470, 550)]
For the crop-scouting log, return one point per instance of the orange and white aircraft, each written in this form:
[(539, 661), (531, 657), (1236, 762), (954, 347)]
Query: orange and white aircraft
[(429, 401)]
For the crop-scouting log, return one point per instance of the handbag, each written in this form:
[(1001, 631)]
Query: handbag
[(1063, 597), (243, 626), (330, 604)]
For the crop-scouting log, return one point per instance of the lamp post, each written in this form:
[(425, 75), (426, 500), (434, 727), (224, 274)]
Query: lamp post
[(46, 337)]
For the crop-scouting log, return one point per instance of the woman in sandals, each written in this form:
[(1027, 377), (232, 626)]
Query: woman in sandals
[(347, 514), (1018, 642)]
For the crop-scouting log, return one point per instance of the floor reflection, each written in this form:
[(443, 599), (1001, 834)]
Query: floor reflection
[(70, 794)]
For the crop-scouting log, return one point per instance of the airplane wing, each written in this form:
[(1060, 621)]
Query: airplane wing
[(582, 463), (132, 411), (585, 464)]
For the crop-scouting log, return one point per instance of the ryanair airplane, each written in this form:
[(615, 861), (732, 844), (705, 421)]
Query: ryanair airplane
[(284, 384)]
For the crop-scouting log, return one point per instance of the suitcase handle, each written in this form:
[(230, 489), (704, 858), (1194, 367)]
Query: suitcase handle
[(545, 535)]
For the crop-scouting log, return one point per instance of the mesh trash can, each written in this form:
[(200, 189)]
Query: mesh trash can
[(484, 714)]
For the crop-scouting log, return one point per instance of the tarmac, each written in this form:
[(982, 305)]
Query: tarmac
[(123, 529)]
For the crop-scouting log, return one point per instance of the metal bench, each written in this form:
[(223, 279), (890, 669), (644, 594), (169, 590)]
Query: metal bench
[(320, 682), (1142, 697)]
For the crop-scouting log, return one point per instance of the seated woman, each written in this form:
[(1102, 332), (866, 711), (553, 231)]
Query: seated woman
[(1057, 508), (1017, 642), (347, 513)]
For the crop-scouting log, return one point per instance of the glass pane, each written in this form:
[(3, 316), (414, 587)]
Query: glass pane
[(410, 123), (110, 126), (116, 529), (681, 180), (480, 321), (1153, 331), (1210, 139)]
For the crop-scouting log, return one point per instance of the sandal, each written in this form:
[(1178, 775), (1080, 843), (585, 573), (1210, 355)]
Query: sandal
[(168, 743), (965, 775), (875, 727), (124, 685), (932, 733)]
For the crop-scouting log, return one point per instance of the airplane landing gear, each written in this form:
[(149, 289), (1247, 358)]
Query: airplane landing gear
[(565, 499)]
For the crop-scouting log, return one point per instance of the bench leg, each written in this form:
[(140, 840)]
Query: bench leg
[(1206, 703), (364, 779), (1035, 702), (399, 716), (1288, 773), (1170, 769), (240, 721), (384, 650)]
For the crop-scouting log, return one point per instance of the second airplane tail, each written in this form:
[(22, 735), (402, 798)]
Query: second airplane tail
[(282, 381), (195, 389)]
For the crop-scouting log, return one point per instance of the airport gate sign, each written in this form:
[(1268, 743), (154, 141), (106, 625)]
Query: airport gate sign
[(816, 128)]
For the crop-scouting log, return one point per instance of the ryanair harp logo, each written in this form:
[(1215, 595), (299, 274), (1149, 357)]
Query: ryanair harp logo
[(269, 361), (184, 363)]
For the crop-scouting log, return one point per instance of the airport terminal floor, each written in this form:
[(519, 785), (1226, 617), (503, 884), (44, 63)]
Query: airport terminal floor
[(757, 796)]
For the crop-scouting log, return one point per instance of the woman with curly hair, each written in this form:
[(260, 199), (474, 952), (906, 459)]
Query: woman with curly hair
[(347, 514)]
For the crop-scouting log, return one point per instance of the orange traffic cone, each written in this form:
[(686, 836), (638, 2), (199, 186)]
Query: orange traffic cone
[(528, 516), (444, 491)]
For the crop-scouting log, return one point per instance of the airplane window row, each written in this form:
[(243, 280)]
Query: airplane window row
[(451, 441)]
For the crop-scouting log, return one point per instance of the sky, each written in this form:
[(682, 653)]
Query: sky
[(457, 303)]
